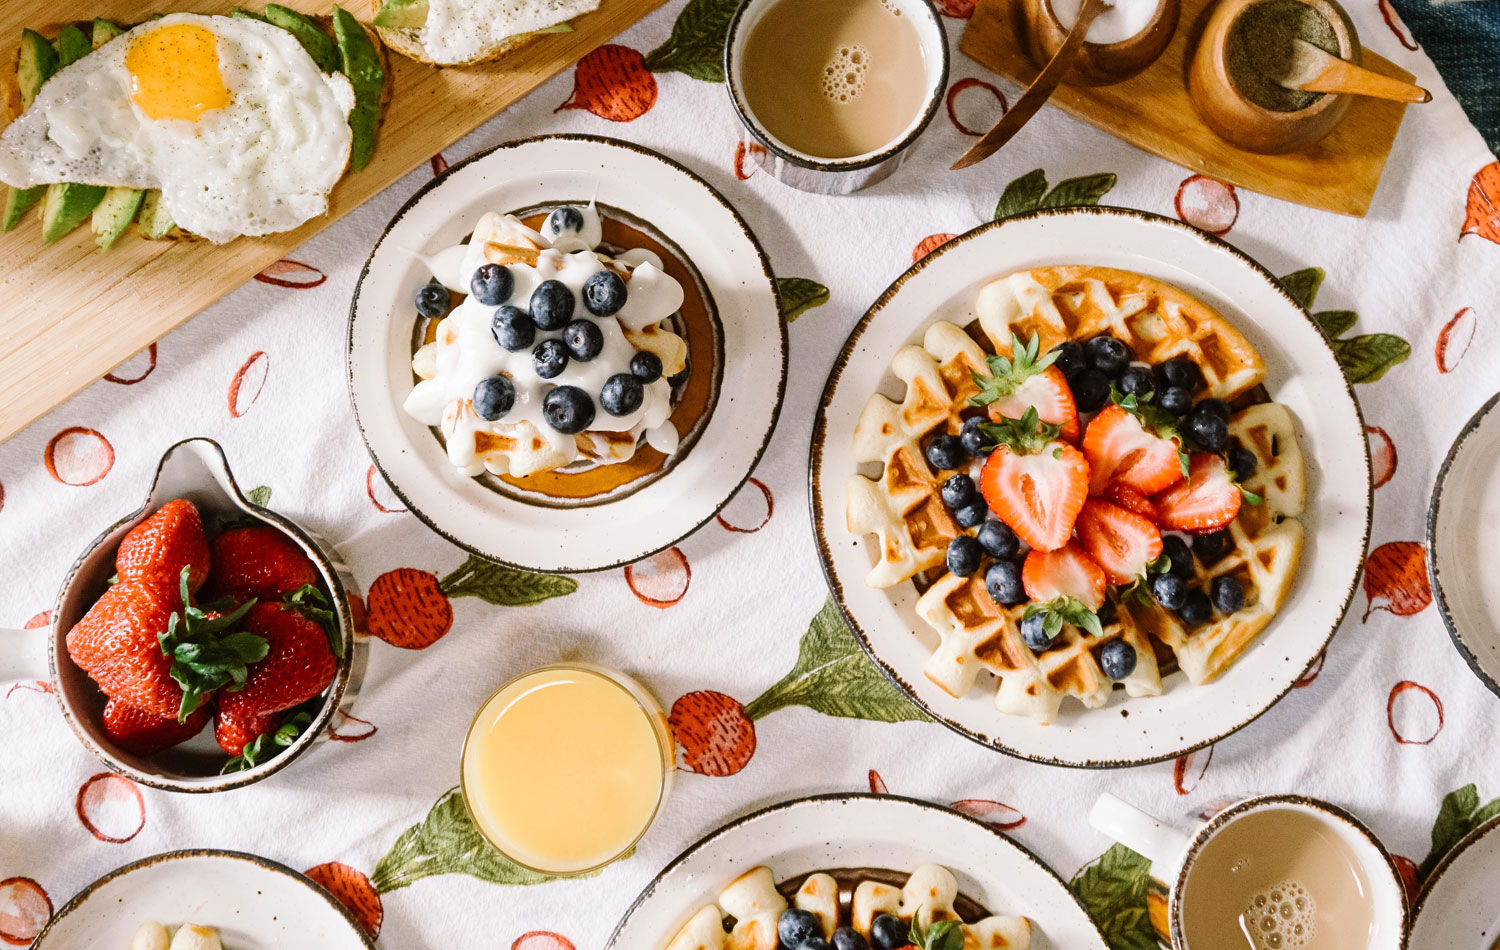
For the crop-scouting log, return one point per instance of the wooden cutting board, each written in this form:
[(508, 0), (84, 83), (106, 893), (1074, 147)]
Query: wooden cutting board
[(69, 314), (1153, 111)]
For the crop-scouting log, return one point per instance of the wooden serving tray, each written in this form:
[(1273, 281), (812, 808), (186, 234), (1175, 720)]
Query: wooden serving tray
[(69, 314), (1153, 111)]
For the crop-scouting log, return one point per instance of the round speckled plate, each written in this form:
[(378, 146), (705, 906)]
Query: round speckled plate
[(1457, 907), (1302, 373), (254, 903)]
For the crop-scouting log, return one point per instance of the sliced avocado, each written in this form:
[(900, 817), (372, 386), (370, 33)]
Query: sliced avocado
[(244, 14), (114, 214), (18, 201), (72, 45), (154, 220), (37, 63), (361, 63), (104, 31), (319, 45), (402, 14), (65, 207)]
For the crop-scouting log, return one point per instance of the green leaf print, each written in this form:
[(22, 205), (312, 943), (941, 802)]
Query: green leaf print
[(1113, 891), (1459, 814), (1334, 322), (696, 46), (833, 676), (446, 842), (1022, 194), (1303, 285), (504, 586), (259, 495), (798, 295), (1364, 358), (1029, 192)]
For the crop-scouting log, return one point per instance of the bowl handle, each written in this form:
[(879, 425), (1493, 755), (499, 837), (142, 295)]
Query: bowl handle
[(23, 654)]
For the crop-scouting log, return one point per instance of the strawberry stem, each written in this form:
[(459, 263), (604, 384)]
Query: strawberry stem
[(206, 652), (309, 601), (1027, 435), (1008, 375)]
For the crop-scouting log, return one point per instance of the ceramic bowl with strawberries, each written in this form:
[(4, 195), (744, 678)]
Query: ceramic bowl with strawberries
[(203, 642)]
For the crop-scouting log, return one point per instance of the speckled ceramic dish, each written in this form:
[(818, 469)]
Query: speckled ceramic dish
[(1457, 909), (830, 832), (1303, 374), (254, 903), (1461, 523)]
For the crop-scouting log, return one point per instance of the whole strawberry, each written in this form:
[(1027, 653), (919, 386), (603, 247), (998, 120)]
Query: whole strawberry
[(258, 561), (299, 664), (144, 733), (159, 548), (234, 734)]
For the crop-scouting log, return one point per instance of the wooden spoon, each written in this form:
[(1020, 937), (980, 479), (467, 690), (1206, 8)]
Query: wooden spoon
[(1317, 70), (1038, 92)]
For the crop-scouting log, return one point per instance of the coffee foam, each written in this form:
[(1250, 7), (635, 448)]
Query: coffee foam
[(844, 76), (1280, 917)]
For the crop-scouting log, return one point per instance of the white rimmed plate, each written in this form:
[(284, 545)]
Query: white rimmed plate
[(1302, 373), (1464, 573), (255, 903), (689, 214), (1457, 907), (861, 831)]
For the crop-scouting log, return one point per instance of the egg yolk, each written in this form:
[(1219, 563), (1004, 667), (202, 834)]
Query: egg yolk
[(174, 72)]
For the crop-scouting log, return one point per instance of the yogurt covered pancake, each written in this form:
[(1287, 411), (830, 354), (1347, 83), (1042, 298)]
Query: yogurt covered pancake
[(463, 32)]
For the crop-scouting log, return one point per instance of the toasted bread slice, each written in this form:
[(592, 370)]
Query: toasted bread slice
[(408, 43)]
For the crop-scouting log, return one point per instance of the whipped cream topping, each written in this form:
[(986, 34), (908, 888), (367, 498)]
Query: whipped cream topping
[(466, 352)]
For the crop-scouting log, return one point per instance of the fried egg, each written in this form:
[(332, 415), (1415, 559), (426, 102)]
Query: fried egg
[(229, 117)]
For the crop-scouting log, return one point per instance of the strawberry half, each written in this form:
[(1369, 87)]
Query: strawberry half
[(1207, 501), (1120, 541), (1024, 381), (1064, 573), (1035, 483), (1131, 499), (1121, 448), (159, 548)]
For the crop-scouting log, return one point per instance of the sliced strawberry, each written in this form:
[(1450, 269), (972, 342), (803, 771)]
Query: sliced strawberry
[(1066, 572), (1024, 381), (1131, 499), (1120, 541), (1120, 448), (1035, 483), (1207, 501)]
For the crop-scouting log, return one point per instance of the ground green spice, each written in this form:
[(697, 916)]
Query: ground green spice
[(1260, 45)]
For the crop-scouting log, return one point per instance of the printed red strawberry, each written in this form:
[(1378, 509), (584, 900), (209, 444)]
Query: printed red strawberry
[(144, 733), (1065, 573), (1207, 501), (1025, 381), (1136, 446), (298, 665), (258, 561), (1131, 499), (1120, 541), (1033, 481), (159, 548)]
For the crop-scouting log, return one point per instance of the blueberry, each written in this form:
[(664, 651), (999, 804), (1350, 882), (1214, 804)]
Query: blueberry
[(513, 329), (795, 926), (551, 305), (814, 943), (568, 409), (565, 220), (493, 397), (584, 339), (433, 300), (974, 441), (1210, 547), (964, 555), (1216, 406), (847, 938), (645, 366), (549, 358), (1107, 355), (1034, 633), (889, 933), (945, 452), (1242, 462), (1118, 659), (998, 540), (622, 394), (492, 284), (604, 294), (959, 491), (1195, 609), (1070, 359), (1090, 390), (1228, 593), (1169, 590), (1181, 556), (1207, 429), (1179, 371), (1003, 581), (1176, 400), (972, 515), (679, 378), (1137, 381)]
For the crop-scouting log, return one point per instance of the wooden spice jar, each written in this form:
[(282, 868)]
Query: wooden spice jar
[(1097, 64)]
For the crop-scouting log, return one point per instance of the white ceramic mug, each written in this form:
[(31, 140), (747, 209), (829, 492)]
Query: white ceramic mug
[(1173, 853)]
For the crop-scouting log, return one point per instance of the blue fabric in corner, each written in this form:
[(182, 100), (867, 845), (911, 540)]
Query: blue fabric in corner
[(1463, 41)]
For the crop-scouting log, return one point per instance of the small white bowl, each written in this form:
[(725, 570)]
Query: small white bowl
[(1457, 908)]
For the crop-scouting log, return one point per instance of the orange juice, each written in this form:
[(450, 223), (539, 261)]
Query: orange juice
[(564, 767)]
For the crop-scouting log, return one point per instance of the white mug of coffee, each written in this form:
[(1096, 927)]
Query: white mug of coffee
[(1275, 872)]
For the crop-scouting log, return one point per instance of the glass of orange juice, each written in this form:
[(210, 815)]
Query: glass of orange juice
[(565, 767)]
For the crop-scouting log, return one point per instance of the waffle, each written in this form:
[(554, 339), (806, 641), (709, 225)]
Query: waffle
[(902, 508), (750, 905)]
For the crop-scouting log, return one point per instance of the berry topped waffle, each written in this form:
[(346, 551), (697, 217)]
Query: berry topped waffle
[(1089, 486)]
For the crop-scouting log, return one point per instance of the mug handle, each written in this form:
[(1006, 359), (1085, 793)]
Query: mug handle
[(23, 654), (1159, 843)]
